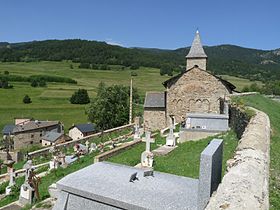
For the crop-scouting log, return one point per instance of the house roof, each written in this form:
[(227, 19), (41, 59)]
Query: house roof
[(196, 50), (85, 128), (228, 85), (51, 136), (32, 125), (8, 129), (155, 100)]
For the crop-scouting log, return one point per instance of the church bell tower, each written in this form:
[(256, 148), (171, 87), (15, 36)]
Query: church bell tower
[(196, 55)]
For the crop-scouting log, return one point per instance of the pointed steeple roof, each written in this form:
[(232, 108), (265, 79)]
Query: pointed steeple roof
[(196, 50)]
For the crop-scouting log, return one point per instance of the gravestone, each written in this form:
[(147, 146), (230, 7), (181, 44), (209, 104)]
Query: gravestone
[(53, 164), (136, 132), (80, 149), (26, 190), (92, 147), (210, 173), (11, 181), (170, 139), (147, 157), (9, 162)]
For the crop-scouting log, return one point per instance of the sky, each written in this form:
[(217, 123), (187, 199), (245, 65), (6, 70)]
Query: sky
[(166, 24)]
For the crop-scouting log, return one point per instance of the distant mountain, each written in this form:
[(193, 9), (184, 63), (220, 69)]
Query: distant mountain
[(223, 59)]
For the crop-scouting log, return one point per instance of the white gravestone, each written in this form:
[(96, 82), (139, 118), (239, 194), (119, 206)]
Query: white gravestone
[(26, 191), (136, 132), (147, 157), (11, 182), (92, 147), (170, 139)]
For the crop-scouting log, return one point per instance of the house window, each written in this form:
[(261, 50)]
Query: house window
[(32, 135), (40, 141), (31, 142), (46, 144)]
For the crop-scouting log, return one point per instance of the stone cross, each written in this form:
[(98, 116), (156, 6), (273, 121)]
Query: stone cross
[(27, 166), (12, 177), (148, 140)]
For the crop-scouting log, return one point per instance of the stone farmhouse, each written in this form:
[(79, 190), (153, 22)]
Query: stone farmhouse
[(29, 132), (195, 90), (81, 130)]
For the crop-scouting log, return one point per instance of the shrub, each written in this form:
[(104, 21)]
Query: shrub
[(134, 74), (26, 99), (6, 72), (34, 83), (134, 66)]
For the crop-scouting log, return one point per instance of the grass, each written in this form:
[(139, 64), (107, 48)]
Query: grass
[(240, 83), (272, 108), (52, 102), (184, 160)]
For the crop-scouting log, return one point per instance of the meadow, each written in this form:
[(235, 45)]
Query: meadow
[(52, 102)]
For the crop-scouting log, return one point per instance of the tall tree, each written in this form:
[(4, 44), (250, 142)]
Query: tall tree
[(110, 108)]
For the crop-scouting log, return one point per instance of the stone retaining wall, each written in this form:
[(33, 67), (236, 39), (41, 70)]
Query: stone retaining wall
[(246, 184), (238, 120)]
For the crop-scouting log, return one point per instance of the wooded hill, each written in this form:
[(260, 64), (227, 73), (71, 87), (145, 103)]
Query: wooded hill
[(263, 65)]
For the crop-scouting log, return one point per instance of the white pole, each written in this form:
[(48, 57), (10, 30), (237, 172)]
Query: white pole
[(130, 103)]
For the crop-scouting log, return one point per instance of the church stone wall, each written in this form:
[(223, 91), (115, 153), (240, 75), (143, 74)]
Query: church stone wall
[(154, 119), (195, 91), (200, 62)]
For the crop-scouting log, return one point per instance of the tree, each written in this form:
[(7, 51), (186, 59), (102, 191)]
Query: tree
[(110, 108), (166, 69), (26, 99), (80, 97), (6, 72)]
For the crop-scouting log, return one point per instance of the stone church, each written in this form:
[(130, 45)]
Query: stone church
[(195, 90)]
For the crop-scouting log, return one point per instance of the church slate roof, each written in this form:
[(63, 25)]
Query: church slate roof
[(227, 84), (196, 50), (155, 100)]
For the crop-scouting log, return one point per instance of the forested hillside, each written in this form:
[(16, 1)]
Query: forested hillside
[(232, 60)]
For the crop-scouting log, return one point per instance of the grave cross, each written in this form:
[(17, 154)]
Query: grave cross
[(148, 140)]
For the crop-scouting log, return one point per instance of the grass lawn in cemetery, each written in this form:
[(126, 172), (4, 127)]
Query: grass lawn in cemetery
[(52, 102), (272, 108), (182, 161)]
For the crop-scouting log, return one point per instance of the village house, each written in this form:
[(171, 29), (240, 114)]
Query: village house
[(27, 132), (195, 90), (81, 130), (53, 138)]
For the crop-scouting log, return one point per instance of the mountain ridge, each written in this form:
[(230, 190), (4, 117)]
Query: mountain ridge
[(228, 59)]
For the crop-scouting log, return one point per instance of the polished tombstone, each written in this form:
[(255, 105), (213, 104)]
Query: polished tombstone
[(147, 157), (106, 185)]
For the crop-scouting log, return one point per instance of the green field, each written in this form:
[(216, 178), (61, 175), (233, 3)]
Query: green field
[(52, 102)]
